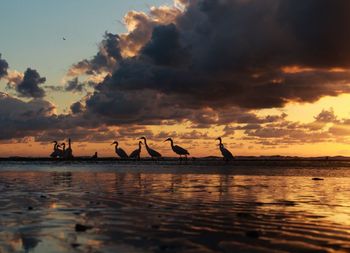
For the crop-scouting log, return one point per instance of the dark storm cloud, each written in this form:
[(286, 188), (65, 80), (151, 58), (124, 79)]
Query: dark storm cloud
[(321, 29), (20, 119), (3, 67), (105, 60), (29, 86), (224, 54), (37, 118), (165, 48), (211, 64)]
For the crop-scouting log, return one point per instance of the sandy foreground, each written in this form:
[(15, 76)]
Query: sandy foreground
[(178, 208)]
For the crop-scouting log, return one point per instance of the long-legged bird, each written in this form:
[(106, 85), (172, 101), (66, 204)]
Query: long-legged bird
[(151, 152), (57, 152), (68, 153), (136, 154), (224, 151), (119, 151), (177, 149)]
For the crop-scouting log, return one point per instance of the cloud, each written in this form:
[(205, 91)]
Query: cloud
[(21, 119), (176, 62), (104, 61), (75, 86), (3, 67), (165, 48), (213, 63), (77, 107), (114, 48), (13, 78), (29, 86)]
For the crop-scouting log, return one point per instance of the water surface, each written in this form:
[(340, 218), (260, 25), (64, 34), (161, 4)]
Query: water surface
[(155, 208)]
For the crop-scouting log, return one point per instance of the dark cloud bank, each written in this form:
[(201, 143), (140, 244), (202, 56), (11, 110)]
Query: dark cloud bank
[(223, 54), (213, 62)]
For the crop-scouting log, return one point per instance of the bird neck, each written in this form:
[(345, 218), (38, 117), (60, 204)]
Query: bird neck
[(139, 146), (69, 144), (171, 143)]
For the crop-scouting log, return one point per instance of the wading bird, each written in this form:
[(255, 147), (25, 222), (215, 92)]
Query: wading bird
[(68, 153), (151, 152), (119, 151), (177, 149), (136, 154), (57, 152), (95, 156), (224, 151), (63, 145)]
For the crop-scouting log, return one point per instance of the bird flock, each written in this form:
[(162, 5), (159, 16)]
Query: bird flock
[(61, 152)]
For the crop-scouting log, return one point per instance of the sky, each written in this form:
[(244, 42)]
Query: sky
[(269, 76)]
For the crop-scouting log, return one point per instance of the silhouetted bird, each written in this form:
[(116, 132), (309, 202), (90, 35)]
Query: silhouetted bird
[(177, 149), (119, 151), (68, 153), (95, 156), (136, 154), (224, 151), (151, 152), (63, 148), (57, 152)]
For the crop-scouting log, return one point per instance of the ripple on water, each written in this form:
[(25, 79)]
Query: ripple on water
[(146, 212)]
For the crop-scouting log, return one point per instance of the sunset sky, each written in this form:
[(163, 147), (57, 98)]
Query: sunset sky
[(269, 76)]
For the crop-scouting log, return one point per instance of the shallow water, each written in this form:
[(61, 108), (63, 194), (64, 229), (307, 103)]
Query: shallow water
[(156, 208)]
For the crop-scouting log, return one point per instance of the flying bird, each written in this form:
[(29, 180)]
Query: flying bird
[(177, 149), (119, 151), (64, 38), (136, 154), (151, 152), (224, 151)]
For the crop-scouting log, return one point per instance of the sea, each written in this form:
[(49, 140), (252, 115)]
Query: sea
[(177, 206)]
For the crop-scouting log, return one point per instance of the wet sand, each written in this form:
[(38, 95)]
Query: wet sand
[(173, 208)]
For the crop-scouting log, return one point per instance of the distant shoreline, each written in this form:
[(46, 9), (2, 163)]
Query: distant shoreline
[(277, 161)]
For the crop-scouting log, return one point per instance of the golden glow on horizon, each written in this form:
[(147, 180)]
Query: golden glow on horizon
[(294, 69), (202, 142)]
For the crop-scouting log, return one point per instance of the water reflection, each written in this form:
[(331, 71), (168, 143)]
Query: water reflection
[(175, 212)]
